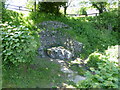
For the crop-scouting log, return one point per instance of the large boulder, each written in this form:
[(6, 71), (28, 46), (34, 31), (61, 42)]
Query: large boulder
[(59, 53)]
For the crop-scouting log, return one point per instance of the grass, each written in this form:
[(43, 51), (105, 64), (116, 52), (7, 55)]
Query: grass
[(81, 71), (42, 73)]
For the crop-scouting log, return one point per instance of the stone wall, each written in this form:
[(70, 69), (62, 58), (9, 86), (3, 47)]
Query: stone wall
[(51, 39), (54, 38)]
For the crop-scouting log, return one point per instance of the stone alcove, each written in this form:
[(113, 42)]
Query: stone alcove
[(52, 36)]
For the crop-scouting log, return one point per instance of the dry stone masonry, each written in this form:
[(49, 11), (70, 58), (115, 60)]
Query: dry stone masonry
[(53, 25), (55, 43)]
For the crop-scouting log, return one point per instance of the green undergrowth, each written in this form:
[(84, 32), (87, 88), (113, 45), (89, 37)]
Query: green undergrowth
[(105, 67), (17, 42), (93, 39), (81, 70), (41, 73), (20, 39)]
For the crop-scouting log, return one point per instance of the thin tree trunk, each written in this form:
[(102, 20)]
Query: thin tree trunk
[(35, 6), (100, 11), (65, 10)]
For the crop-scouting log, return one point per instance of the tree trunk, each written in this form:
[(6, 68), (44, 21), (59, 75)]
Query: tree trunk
[(100, 8), (57, 12), (100, 11), (65, 10), (35, 6)]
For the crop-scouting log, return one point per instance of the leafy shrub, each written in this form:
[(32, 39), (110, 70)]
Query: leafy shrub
[(50, 7), (15, 18), (12, 17), (93, 59), (38, 17), (105, 77), (83, 11), (106, 74), (18, 44), (94, 39), (106, 20), (111, 54), (110, 18)]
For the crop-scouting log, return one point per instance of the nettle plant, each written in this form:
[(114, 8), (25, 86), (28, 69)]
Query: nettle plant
[(18, 45)]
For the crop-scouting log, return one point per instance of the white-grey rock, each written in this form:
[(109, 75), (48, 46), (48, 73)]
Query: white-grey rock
[(71, 75), (66, 70), (59, 53), (78, 78)]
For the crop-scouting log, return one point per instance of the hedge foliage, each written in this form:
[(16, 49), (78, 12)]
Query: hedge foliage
[(106, 70), (18, 44), (19, 38)]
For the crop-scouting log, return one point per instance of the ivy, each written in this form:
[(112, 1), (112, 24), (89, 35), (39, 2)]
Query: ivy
[(19, 46)]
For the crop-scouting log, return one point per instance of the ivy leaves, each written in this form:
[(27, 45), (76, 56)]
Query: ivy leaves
[(18, 44)]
